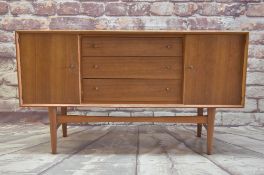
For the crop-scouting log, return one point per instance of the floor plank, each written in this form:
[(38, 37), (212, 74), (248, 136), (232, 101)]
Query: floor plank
[(247, 132), (37, 158), (113, 154), (160, 153), (232, 158), (30, 140)]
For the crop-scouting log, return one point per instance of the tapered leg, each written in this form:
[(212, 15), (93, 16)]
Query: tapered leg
[(64, 125), (210, 129), (53, 128), (199, 126)]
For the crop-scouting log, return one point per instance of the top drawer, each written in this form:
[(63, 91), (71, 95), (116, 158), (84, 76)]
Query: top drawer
[(127, 46)]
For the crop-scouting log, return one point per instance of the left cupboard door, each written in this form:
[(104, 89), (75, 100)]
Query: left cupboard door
[(48, 67)]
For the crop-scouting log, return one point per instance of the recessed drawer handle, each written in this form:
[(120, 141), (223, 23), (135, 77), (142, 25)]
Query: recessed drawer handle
[(96, 88), (95, 66), (168, 46), (167, 67), (95, 46), (167, 89)]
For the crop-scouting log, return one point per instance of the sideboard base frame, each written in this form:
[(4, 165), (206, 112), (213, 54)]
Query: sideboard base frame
[(62, 119)]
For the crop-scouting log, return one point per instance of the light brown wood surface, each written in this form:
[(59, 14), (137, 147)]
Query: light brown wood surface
[(49, 68), (131, 91), (210, 129), (131, 46), (164, 119), (209, 65), (159, 33), (213, 69), (53, 128), (132, 67), (27, 69)]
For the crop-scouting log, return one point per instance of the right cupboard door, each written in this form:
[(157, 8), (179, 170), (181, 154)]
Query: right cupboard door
[(214, 69)]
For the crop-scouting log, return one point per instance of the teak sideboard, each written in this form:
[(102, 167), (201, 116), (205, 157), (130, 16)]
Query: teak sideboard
[(194, 69)]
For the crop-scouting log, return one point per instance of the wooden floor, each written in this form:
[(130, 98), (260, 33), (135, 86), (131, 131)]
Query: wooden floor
[(144, 149)]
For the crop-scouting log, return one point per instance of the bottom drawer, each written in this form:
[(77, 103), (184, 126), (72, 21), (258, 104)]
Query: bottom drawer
[(131, 91)]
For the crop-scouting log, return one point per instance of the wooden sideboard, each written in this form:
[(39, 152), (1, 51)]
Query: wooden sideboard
[(196, 69)]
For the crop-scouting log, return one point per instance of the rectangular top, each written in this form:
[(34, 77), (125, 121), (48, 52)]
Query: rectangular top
[(136, 31)]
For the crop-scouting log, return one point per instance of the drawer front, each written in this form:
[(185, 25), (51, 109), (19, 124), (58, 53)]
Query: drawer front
[(132, 67), (136, 46), (131, 91)]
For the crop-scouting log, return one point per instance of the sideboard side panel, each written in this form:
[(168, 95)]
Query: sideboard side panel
[(213, 70), (49, 68), (27, 56)]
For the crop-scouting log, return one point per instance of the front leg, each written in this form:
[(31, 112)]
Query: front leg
[(210, 129), (53, 128)]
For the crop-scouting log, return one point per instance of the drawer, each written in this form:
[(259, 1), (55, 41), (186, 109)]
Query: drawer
[(132, 67), (131, 91), (136, 46)]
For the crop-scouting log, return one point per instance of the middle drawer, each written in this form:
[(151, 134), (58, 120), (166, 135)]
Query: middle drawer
[(127, 67)]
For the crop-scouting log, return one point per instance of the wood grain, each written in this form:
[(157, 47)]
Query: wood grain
[(214, 66), (164, 119), (49, 68), (131, 105), (213, 69), (53, 128), (136, 67), (136, 46), (27, 61), (131, 91), (144, 33), (210, 129)]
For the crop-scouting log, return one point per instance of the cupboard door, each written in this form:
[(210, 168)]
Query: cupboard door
[(49, 68), (213, 69)]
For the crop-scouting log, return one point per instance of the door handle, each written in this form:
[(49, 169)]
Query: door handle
[(189, 67), (71, 66), (95, 46)]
